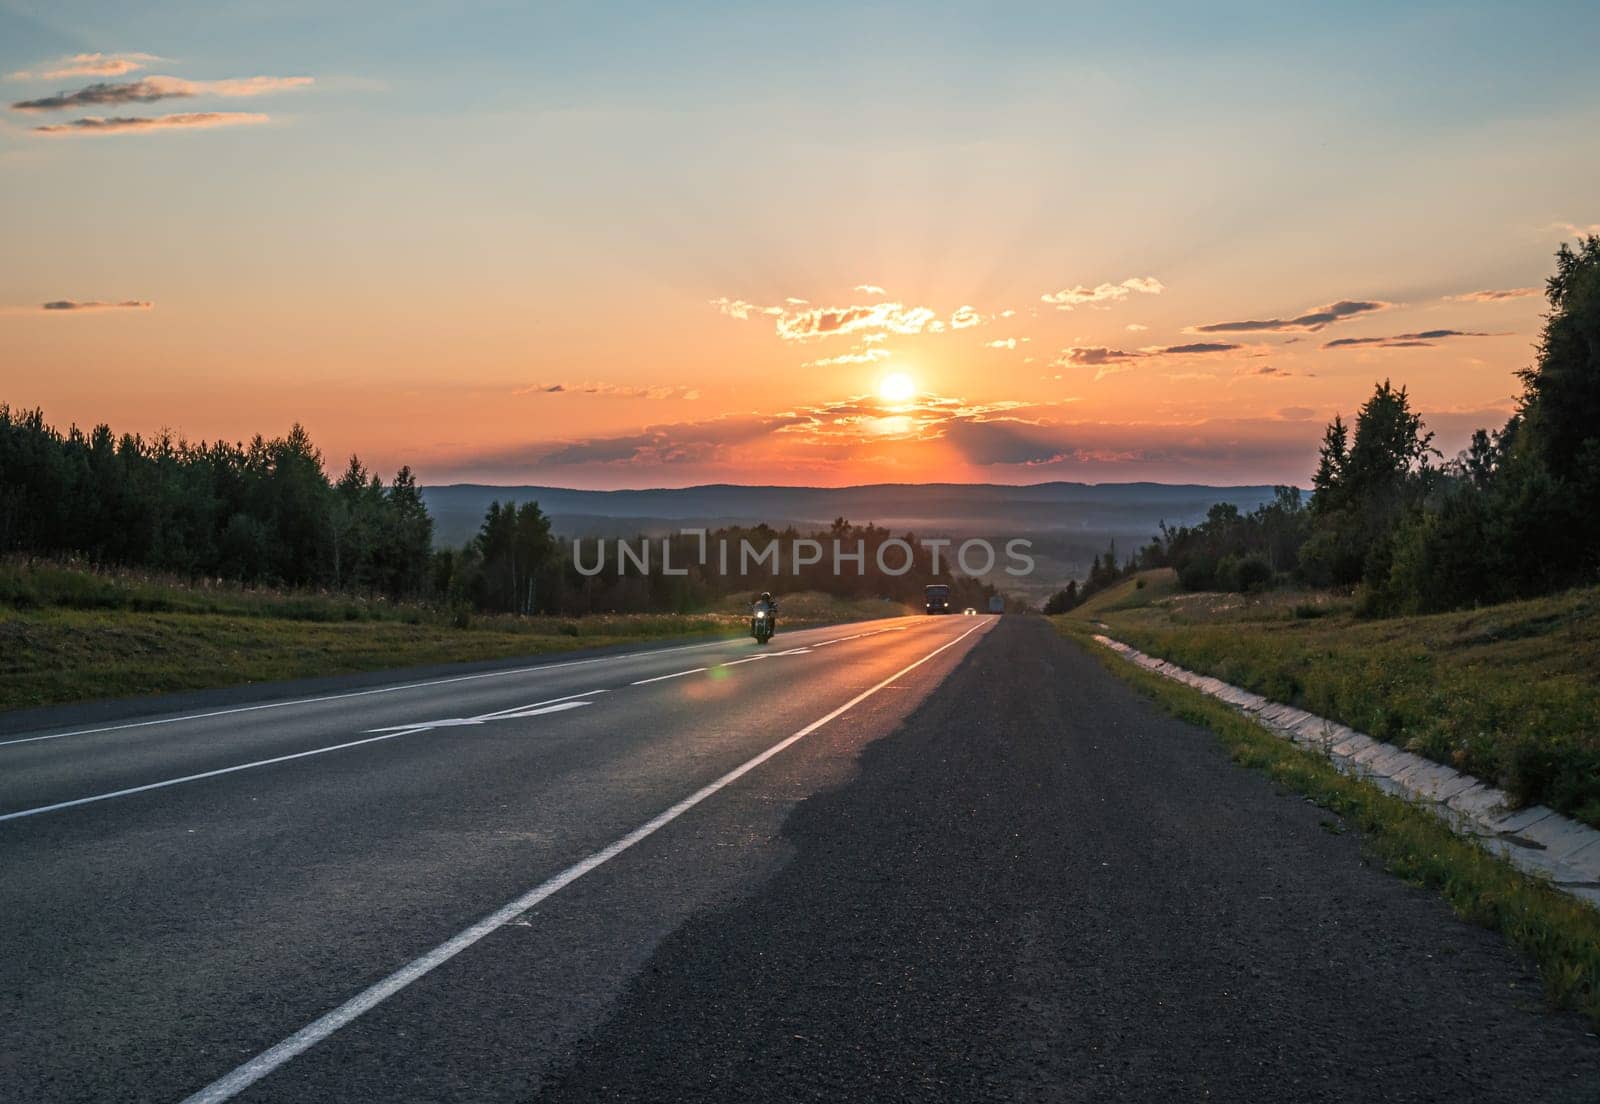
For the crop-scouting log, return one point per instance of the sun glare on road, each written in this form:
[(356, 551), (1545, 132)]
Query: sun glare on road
[(897, 387)]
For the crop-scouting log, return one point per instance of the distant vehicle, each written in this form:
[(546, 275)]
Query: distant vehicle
[(970, 612), (997, 604), (938, 596)]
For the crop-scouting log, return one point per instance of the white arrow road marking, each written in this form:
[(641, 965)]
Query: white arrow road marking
[(405, 730), (503, 715)]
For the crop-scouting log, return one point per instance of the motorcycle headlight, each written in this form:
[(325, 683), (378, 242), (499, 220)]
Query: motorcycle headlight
[(761, 617)]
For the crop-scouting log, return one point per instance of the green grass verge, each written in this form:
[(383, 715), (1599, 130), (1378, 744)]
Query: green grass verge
[(69, 635), (1509, 693), (76, 655), (1561, 935)]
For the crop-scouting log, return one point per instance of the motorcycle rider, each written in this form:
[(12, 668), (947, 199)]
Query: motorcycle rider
[(768, 605)]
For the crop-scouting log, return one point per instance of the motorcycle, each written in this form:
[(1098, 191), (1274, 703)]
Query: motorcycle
[(762, 626)]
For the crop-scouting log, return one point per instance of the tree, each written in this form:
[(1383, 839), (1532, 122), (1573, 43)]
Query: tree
[(1329, 477), (516, 546), (1560, 404), (1364, 493)]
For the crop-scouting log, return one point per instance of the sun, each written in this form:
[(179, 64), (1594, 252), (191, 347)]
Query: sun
[(897, 387)]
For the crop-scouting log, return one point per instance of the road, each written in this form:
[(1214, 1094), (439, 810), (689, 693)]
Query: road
[(930, 858)]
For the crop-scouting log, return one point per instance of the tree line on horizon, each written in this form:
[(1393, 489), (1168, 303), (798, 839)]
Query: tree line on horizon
[(1512, 516), (268, 513)]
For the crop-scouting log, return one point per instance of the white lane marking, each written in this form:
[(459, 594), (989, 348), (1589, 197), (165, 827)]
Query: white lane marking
[(503, 715), (384, 734), (197, 777), (746, 659), (231, 1084), (664, 678), (794, 651), (408, 730), (536, 667)]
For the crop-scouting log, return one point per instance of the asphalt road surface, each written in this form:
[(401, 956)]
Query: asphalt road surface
[(925, 858)]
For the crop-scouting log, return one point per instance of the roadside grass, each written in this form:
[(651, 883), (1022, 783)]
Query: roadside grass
[(1509, 693), (69, 634), (1559, 934)]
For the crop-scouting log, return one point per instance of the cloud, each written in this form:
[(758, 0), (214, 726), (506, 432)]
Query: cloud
[(152, 89), (1495, 296), (670, 444), (1314, 319), (1095, 355), (869, 289), (1080, 356), (87, 65), (1068, 298), (1006, 342), (1576, 230), (798, 321), (1134, 327), (1239, 447), (966, 317), (196, 120), (742, 310), (855, 356), (1421, 339), (610, 390), (933, 436), (1193, 348), (94, 305), (1008, 441), (827, 321)]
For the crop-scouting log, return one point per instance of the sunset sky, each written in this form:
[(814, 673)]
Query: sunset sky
[(638, 245)]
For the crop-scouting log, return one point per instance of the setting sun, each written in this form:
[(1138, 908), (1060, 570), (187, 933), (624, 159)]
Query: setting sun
[(897, 387)]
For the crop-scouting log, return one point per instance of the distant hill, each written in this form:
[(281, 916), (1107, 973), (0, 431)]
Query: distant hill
[(1070, 523)]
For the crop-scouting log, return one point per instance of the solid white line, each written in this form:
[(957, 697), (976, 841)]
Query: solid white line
[(408, 730), (664, 678), (255, 1069), (736, 662), (532, 668)]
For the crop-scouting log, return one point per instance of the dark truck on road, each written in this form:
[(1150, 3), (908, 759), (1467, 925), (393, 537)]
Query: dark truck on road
[(938, 595)]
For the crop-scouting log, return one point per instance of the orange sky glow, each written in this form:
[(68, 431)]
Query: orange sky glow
[(635, 266)]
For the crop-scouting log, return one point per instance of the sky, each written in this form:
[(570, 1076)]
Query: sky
[(629, 245)]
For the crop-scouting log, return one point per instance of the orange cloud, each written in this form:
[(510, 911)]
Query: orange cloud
[(94, 305), (88, 65), (1421, 339), (197, 120), (1068, 298), (1314, 319), (1495, 296), (610, 390), (798, 321)]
